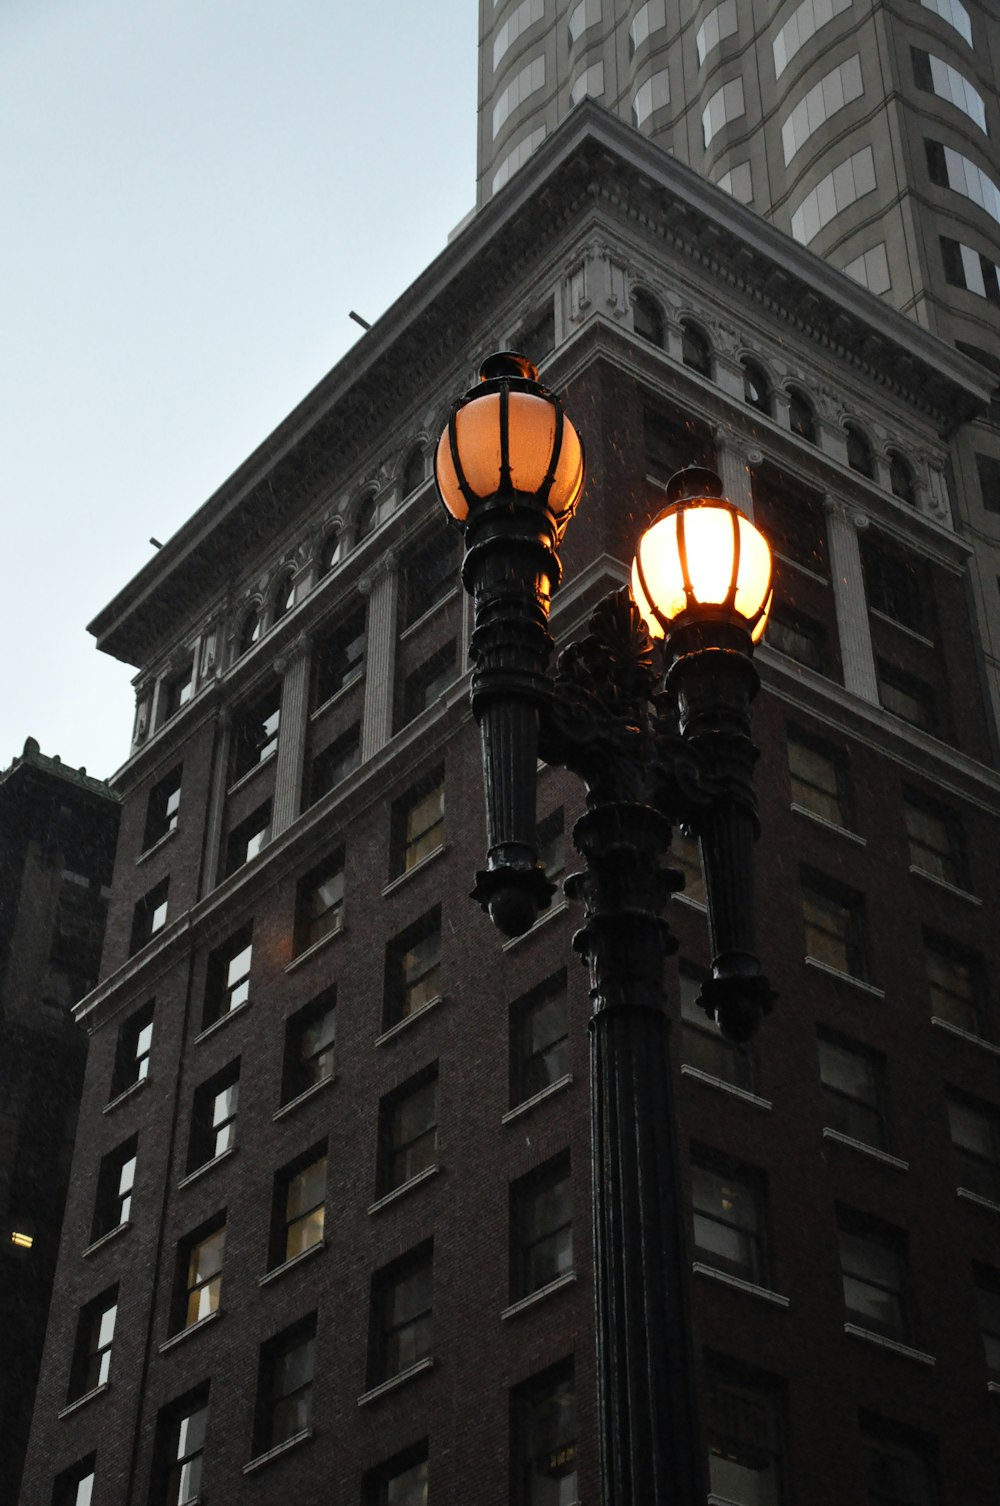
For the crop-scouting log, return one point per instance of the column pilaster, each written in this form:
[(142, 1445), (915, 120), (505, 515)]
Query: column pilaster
[(216, 802), (843, 523), (733, 461), (380, 586), (294, 670)]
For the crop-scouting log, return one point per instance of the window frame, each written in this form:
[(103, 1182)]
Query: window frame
[(528, 1195), (339, 655), (255, 732), (209, 1121), (743, 1424), (221, 987), (523, 1009), (411, 847), (392, 1149), (162, 808), (744, 1182), (552, 1390), (317, 915), (206, 1243), (888, 1247), (288, 1220), (404, 991), (132, 1053), (149, 915), (872, 1110), (823, 892), (115, 1187), (95, 1335), (835, 804), (295, 1072), (275, 1356), (386, 1333)]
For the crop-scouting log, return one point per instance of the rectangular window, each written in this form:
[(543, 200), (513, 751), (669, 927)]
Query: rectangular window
[(247, 839), (539, 1039), (408, 1131), (149, 916), (834, 924), (898, 1465), (536, 338), (401, 1481), (935, 838), (339, 657), (728, 1216), (177, 690), (988, 1304), (199, 1274), (319, 901), (75, 1486), (543, 1438), (906, 696), (310, 1036), (430, 574), (299, 1199), (332, 766), (896, 583), (418, 822), (422, 688), (541, 1226), (135, 1041), (92, 1355), (114, 1189), (413, 968), (673, 441), (702, 1043), (954, 980), (743, 1436), (285, 1385), (685, 854), (872, 1266), (213, 1116), (798, 637), (793, 518), (162, 807), (228, 980), (402, 1296), (975, 1137), (180, 1448), (819, 780), (551, 842), (853, 1092), (255, 733)]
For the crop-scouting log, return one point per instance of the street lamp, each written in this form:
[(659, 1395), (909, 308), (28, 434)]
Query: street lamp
[(654, 752)]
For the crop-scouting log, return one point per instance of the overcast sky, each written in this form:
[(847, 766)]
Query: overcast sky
[(196, 192)]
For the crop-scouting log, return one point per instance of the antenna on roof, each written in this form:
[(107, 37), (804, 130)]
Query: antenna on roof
[(358, 320)]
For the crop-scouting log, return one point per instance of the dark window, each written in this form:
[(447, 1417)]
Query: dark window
[(743, 1435), (413, 472), (422, 688), (835, 924), (92, 1354), (401, 1481), (250, 630), (798, 637), (413, 968), (247, 839), (728, 1216), (309, 1046), (696, 352), (922, 70), (149, 916), (819, 781), (685, 855), (431, 573), (965, 267), (180, 1447), (319, 901), (298, 1213), (906, 696), (702, 1043), (988, 467), (401, 1315), (539, 1035), (801, 417), (285, 1385), (859, 452), (418, 822), (673, 442), (954, 980), (541, 1226), (551, 841), (178, 688), (872, 1266), (537, 336), (114, 1188), (898, 1465), (284, 598), (331, 552), (366, 520), (334, 763), (975, 1138), (896, 583), (75, 1486), (756, 387), (647, 318), (213, 1116), (853, 1081), (988, 1304), (339, 657), (543, 1435), (935, 838), (135, 1041), (228, 980), (407, 1131), (901, 482), (161, 808), (199, 1274), (255, 733), (792, 516)]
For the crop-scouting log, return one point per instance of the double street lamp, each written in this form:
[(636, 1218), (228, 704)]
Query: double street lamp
[(655, 750)]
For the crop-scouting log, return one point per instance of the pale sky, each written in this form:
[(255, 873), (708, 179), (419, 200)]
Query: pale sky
[(196, 193)]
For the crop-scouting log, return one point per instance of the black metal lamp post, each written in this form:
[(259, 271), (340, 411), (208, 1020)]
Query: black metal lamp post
[(653, 753)]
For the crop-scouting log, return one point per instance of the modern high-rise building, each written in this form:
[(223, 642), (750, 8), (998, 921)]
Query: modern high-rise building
[(328, 1238)]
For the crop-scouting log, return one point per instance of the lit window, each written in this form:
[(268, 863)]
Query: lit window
[(871, 1262), (285, 1386), (255, 733), (319, 902), (834, 925), (526, 14), (851, 180), (413, 968), (517, 157), (161, 808), (539, 1039), (967, 268), (402, 1296), (744, 1462), (647, 318), (852, 1081), (648, 18), (583, 17), (801, 416), (896, 582), (418, 823), (528, 81), (703, 1045), (935, 838), (149, 916), (228, 984), (333, 764), (181, 1447), (247, 839), (543, 1425), (651, 96), (954, 12), (975, 1137), (114, 1189), (871, 269), (407, 1131), (720, 23), (738, 183), (935, 76), (92, 1356), (213, 1117), (135, 1042), (588, 84), (950, 169), (430, 574), (837, 89), (726, 104), (299, 1198), (22, 1240), (310, 1037), (200, 1276), (802, 24), (541, 1211), (423, 687), (728, 1227), (818, 774)]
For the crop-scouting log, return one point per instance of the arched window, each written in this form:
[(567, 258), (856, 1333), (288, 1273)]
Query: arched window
[(366, 519), (695, 350), (756, 387), (901, 480), (284, 598), (250, 629), (859, 452), (413, 472), (647, 320), (801, 418), (331, 552)]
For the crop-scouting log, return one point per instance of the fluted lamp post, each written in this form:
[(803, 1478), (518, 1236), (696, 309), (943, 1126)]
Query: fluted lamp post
[(655, 750)]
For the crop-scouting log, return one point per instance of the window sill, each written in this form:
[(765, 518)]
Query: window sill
[(533, 1298), (529, 1103), (397, 1192), (550, 914), (940, 883), (906, 1351), (685, 899), (200, 1171), (965, 1035), (316, 946), (418, 622), (829, 1133), (310, 1092), (834, 826), (222, 1020), (786, 559), (993, 1386), (424, 862), (738, 1284), (835, 972), (147, 852), (338, 695), (289, 1265), (105, 1239), (969, 1196), (125, 1093), (238, 784), (404, 1376), (902, 627), (192, 1328), (410, 1019), (82, 1401), (723, 1086), (279, 1449)]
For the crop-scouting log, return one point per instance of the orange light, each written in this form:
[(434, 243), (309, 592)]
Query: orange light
[(23, 1241)]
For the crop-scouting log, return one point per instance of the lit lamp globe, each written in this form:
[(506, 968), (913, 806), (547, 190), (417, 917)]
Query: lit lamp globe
[(701, 562), (509, 435)]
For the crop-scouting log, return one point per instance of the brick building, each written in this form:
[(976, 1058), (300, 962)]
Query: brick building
[(334, 1208)]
